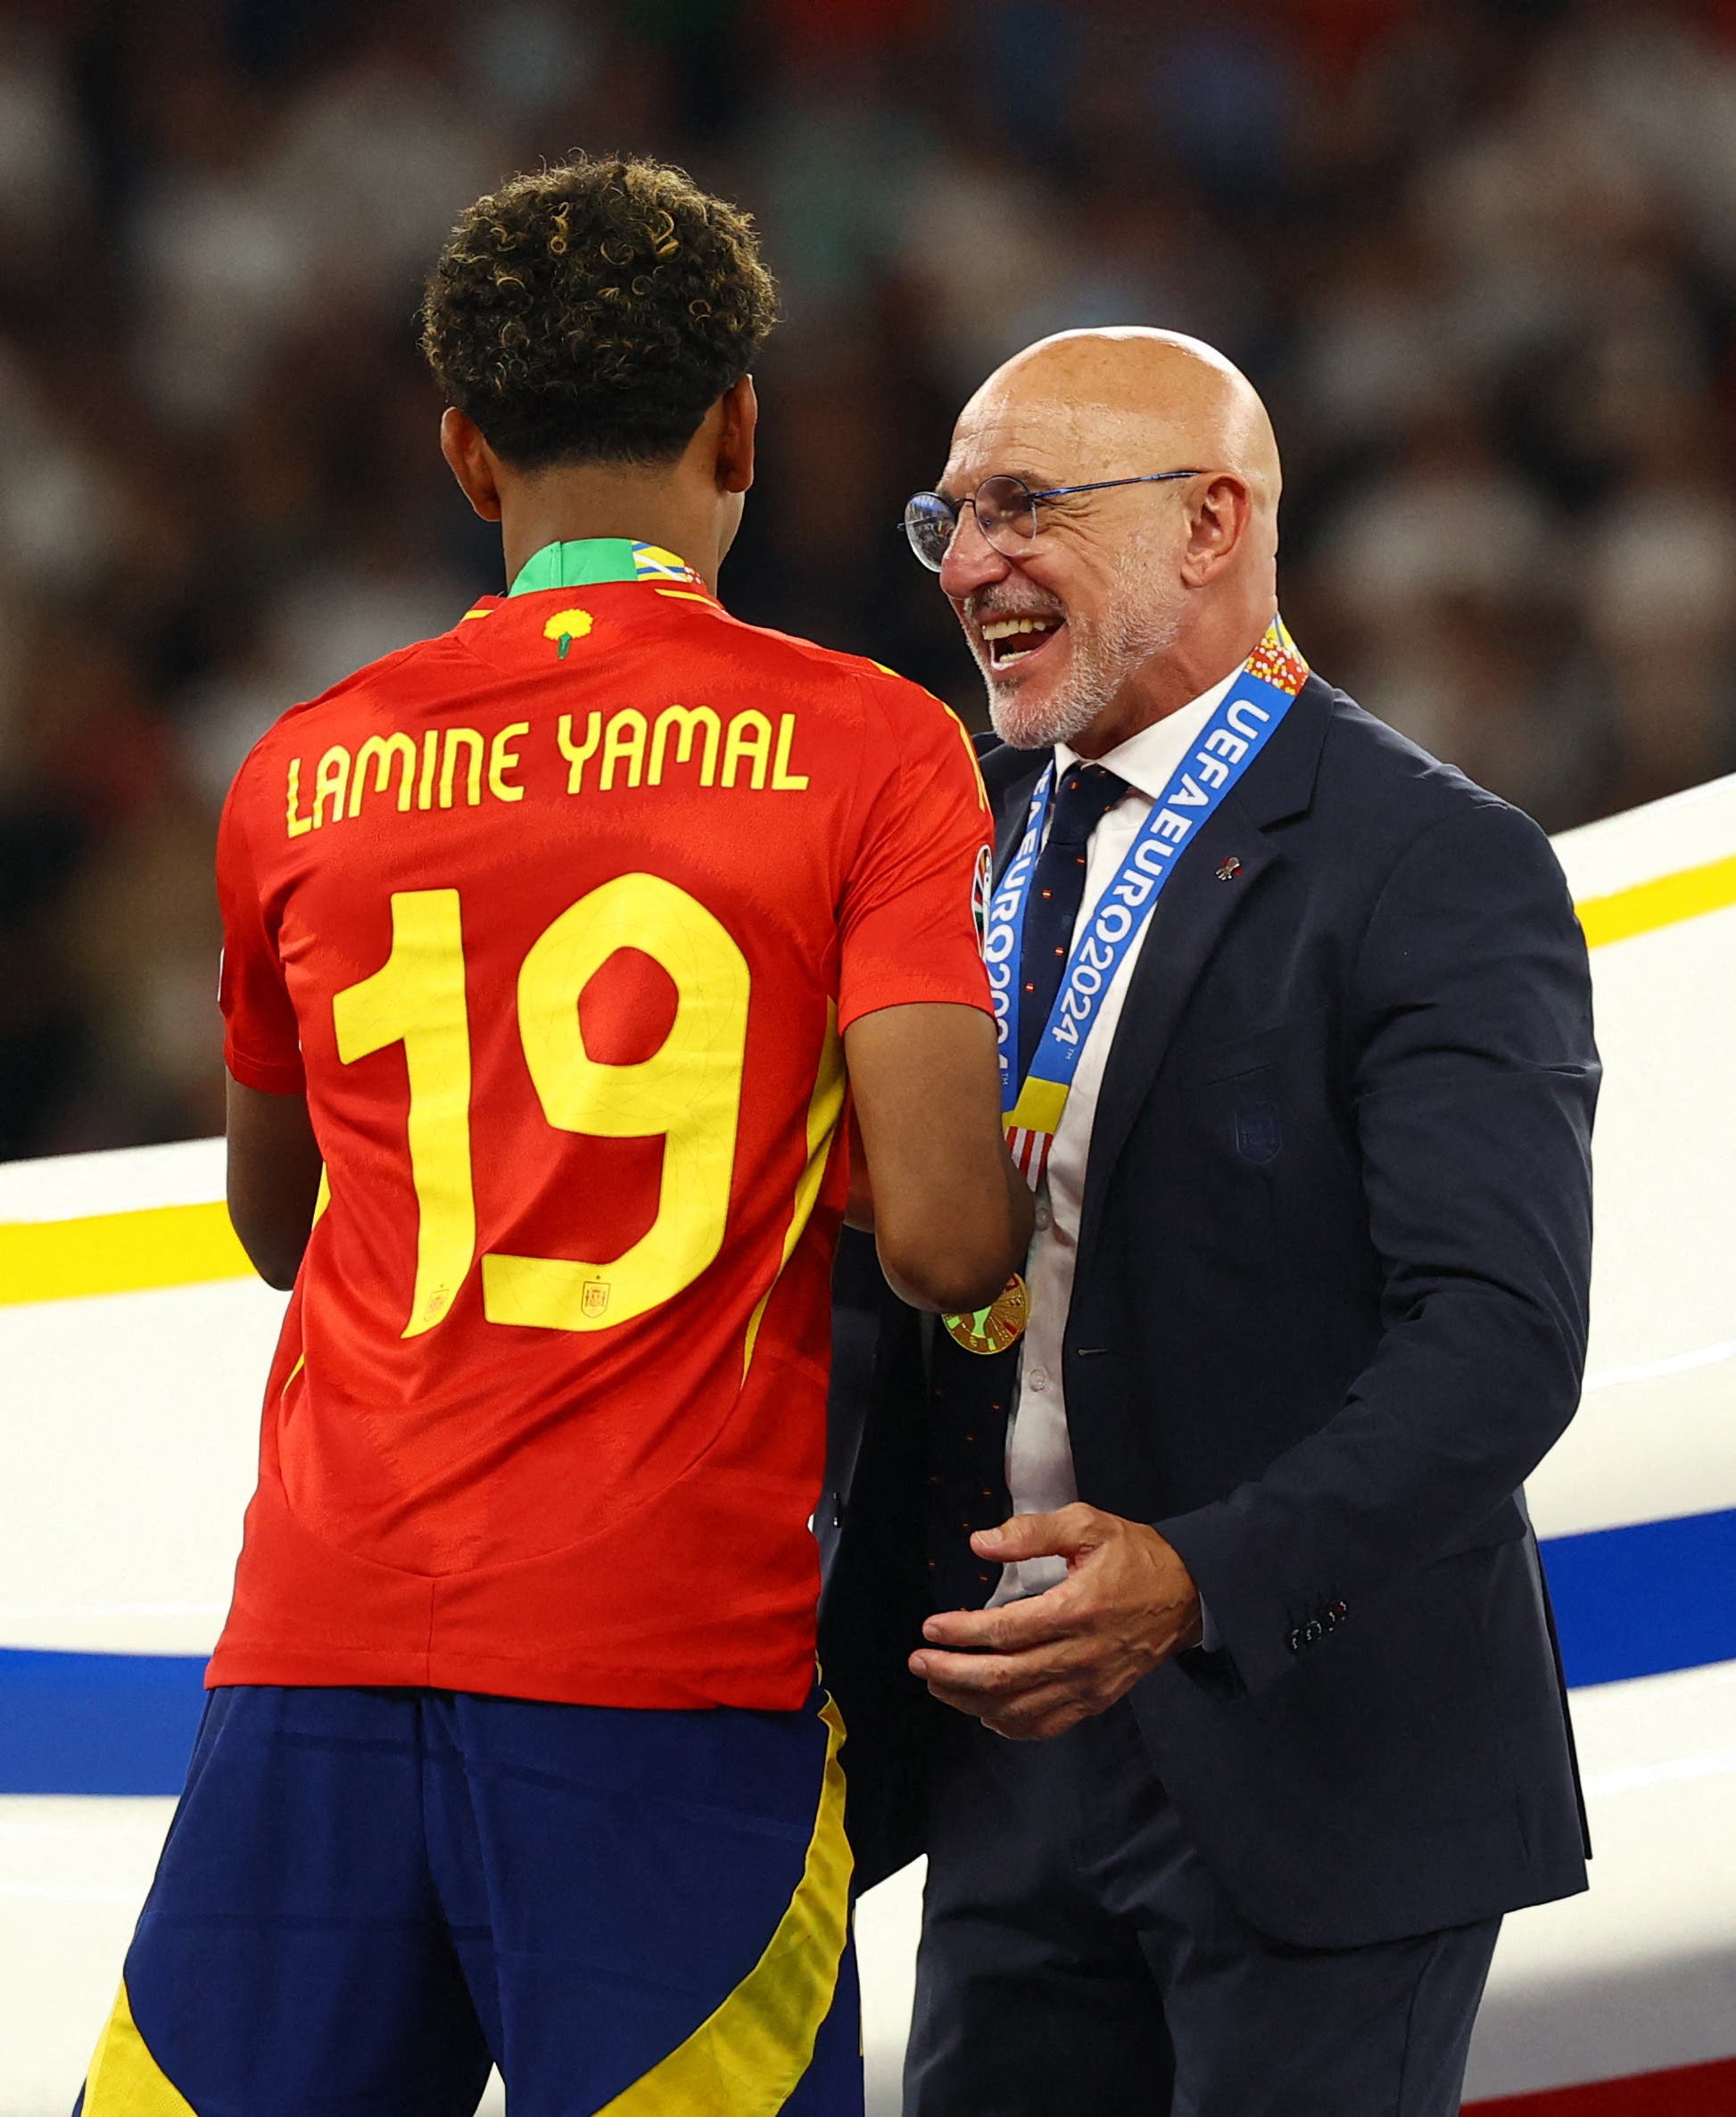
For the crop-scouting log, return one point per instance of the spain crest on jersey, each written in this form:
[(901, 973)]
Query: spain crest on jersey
[(982, 890)]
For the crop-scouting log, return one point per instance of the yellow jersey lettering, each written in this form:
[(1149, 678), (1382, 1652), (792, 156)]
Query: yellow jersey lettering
[(625, 741), (632, 749), (502, 760), (578, 757), (685, 721), (299, 825), (331, 783), (380, 751), (471, 743), (749, 737), (783, 779)]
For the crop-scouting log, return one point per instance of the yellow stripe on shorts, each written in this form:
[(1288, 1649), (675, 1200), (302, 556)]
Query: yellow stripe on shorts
[(748, 2056), (124, 2080)]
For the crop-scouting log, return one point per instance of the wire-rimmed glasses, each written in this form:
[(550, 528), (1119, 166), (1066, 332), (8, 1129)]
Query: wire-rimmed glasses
[(1005, 508)]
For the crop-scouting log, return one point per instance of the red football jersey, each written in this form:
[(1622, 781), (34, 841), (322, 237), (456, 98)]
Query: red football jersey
[(558, 918)]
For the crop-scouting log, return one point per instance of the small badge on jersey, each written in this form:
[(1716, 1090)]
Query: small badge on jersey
[(982, 894), (566, 626), (594, 1299)]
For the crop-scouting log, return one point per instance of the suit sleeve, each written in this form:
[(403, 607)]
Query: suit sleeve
[(261, 1041), (909, 932), (1474, 1077)]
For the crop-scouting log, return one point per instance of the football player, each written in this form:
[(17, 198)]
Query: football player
[(559, 943)]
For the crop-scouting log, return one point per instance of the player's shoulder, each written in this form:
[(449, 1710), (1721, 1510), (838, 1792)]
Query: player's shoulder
[(379, 684), (889, 705), (833, 665)]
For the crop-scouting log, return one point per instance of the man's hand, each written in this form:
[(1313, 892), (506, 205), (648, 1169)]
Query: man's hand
[(1040, 1667)]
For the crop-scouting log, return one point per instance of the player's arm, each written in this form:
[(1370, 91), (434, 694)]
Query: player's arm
[(274, 1164), (273, 1179), (859, 1207), (952, 1216)]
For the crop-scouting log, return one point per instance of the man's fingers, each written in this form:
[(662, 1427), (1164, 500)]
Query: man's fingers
[(1040, 1714), (974, 1676), (1039, 1621), (1056, 1535), (982, 1678), (1024, 1697)]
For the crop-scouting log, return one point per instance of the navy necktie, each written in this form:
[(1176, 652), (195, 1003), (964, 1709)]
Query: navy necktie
[(972, 1392), (1083, 795)]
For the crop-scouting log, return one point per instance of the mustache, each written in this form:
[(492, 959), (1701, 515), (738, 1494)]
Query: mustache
[(990, 603)]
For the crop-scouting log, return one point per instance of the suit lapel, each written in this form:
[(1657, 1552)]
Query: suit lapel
[(1192, 916), (1010, 791)]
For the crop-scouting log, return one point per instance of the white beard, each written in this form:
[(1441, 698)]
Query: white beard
[(1136, 631)]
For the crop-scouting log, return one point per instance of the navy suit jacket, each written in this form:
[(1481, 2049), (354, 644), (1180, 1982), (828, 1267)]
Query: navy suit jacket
[(1329, 1312)]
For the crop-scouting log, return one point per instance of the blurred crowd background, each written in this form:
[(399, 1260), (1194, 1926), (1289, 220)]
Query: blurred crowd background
[(1480, 257)]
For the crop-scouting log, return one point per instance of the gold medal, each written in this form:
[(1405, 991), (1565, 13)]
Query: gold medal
[(998, 1326)]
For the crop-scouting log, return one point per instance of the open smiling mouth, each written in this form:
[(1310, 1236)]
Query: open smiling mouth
[(1011, 640)]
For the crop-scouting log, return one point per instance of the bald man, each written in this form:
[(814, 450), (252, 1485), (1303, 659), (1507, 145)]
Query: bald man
[(1233, 1724)]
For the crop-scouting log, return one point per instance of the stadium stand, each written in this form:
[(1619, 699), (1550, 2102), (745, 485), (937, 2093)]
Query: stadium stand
[(1479, 257)]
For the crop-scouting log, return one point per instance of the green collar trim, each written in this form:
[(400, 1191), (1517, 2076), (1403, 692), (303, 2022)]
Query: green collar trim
[(588, 562)]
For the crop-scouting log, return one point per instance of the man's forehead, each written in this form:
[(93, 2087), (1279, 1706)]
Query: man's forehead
[(1039, 438)]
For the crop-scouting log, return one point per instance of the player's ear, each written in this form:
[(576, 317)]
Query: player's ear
[(739, 408), (471, 462)]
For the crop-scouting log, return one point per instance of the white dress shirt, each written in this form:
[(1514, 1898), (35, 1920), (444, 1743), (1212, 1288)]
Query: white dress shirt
[(1039, 1455)]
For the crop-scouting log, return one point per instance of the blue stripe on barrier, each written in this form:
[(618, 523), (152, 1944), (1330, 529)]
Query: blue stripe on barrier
[(97, 1723), (1638, 1600), (1633, 1601)]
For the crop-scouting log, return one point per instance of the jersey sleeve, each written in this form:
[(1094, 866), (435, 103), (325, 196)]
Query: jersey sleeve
[(916, 889), (261, 1043)]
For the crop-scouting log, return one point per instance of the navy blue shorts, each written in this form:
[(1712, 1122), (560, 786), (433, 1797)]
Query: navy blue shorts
[(369, 1896)]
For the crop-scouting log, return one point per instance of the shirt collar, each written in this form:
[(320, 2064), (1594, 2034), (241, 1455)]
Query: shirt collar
[(1148, 761), (589, 562)]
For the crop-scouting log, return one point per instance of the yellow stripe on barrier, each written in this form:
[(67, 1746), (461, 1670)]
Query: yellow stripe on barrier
[(1667, 902), (193, 1245), (163, 1246)]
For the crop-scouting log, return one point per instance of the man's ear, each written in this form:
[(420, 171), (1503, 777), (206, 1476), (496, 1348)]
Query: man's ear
[(735, 436), (471, 462), (1216, 524)]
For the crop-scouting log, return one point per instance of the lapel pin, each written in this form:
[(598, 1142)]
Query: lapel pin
[(1230, 869)]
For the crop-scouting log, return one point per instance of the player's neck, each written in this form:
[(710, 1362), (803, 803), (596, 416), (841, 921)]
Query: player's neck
[(567, 506)]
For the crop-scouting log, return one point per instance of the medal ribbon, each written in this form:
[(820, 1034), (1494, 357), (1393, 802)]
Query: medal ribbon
[(1247, 719)]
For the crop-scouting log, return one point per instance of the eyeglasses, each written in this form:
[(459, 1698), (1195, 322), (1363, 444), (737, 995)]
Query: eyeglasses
[(1005, 508)]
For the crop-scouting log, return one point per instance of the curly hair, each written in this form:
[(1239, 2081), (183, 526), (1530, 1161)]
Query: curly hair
[(595, 311)]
